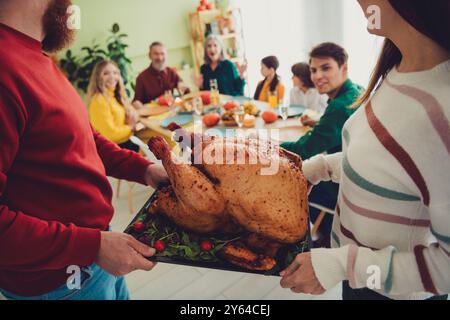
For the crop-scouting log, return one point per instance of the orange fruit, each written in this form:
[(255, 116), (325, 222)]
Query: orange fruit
[(211, 119), (269, 117)]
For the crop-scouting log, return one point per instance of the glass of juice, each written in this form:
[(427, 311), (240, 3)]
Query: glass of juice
[(273, 99), (215, 95)]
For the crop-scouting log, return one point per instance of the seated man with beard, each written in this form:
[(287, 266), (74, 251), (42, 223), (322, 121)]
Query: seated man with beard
[(55, 199), (158, 78)]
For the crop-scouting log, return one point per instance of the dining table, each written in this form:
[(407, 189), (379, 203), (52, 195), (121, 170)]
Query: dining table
[(290, 129)]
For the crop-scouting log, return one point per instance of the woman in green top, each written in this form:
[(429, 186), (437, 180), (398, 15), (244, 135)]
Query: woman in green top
[(230, 79)]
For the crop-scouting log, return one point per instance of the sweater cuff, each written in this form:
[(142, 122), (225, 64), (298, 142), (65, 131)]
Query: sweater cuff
[(330, 266), (86, 246), (315, 170), (138, 168)]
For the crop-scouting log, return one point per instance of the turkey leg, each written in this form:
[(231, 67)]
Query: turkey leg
[(190, 185)]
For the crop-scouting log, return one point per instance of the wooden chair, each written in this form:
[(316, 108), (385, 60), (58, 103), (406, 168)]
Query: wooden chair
[(130, 194), (145, 151), (323, 212)]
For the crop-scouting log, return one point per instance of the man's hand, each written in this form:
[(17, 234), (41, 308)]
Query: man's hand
[(300, 276), (156, 176), (307, 121), (182, 88), (121, 254)]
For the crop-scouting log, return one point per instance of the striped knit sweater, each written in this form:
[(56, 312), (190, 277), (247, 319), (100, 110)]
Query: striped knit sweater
[(393, 213)]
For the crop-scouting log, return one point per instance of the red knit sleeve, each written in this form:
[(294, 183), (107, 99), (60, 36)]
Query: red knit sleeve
[(26, 242), (121, 163)]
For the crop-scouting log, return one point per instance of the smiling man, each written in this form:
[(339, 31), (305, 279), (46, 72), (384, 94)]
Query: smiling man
[(55, 199), (158, 78), (329, 73)]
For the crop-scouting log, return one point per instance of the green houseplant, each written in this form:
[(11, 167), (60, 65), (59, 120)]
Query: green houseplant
[(79, 68)]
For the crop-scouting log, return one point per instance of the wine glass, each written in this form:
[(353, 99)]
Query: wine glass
[(213, 85), (284, 111), (168, 96), (197, 104), (239, 116)]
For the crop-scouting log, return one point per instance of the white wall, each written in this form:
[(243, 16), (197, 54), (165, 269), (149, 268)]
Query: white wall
[(290, 28), (287, 29), (271, 28)]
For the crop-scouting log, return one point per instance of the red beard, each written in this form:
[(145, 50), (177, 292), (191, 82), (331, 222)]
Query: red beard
[(57, 33)]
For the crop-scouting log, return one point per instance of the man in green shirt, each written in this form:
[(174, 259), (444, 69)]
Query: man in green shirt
[(329, 73)]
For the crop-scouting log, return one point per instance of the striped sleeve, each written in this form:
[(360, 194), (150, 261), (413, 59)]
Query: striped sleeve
[(363, 267), (425, 269)]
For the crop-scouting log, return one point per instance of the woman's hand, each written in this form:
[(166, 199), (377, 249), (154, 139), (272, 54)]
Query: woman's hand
[(156, 176), (300, 276), (138, 105), (198, 80), (132, 117), (242, 69)]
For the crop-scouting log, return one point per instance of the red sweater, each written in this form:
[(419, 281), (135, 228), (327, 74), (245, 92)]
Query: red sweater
[(54, 195), (151, 84)]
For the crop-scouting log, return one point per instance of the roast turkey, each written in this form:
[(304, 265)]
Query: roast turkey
[(240, 185)]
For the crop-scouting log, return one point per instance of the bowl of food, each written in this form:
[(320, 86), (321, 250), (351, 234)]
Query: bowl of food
[(250, 108), (228, 119)]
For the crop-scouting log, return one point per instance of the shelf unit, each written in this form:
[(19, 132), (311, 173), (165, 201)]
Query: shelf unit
[(227, 25)]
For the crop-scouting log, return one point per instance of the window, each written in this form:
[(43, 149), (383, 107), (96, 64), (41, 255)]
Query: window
[(290, 28)]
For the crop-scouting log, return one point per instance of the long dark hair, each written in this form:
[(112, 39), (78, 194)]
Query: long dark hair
[(270, 62), (429, 18)]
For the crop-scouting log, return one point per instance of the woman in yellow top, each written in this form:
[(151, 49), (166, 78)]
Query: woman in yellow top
[(271, 82), (109, 110)]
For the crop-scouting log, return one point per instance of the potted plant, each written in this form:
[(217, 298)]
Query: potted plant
[(78, 69)]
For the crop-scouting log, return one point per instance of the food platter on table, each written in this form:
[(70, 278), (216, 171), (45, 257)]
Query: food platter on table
[(152, 109), (226, 110)]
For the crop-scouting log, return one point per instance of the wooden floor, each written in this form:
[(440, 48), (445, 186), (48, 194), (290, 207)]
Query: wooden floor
[(179, 282)]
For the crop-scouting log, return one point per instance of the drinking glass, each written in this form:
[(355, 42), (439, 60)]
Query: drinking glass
[(215, 95), (168, 96), (213, 85), (284, 111), (197, 104), (273, 99), (239, 116)]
